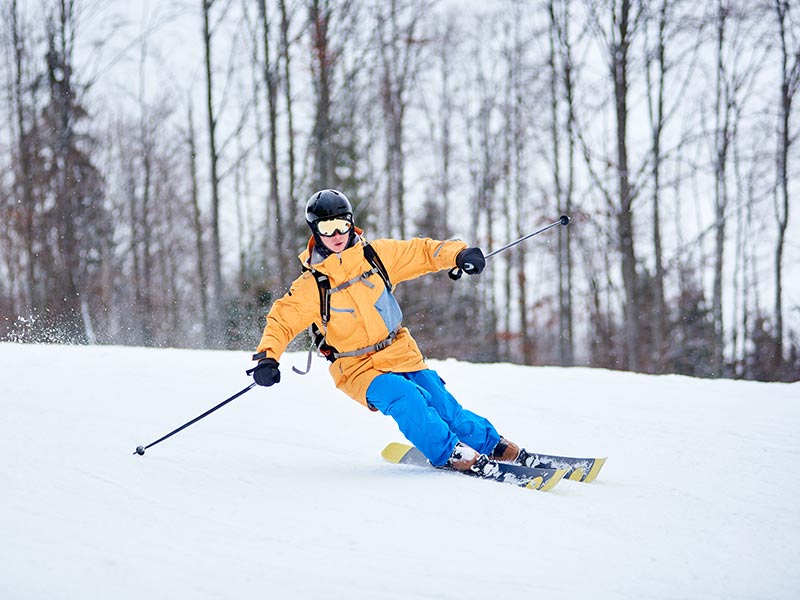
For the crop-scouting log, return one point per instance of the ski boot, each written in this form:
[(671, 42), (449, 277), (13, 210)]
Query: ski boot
[(469, 460)]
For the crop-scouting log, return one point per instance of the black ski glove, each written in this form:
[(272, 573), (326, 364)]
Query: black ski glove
[(266, 372), (471, 261)]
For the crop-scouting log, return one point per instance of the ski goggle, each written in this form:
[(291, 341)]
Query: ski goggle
[(331, 227)]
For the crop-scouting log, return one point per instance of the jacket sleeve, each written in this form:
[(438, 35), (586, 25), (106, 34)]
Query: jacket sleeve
[(408, 259), (289, 316)]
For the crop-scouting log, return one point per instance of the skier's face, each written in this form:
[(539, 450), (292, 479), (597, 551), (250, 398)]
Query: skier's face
[(336, 242)]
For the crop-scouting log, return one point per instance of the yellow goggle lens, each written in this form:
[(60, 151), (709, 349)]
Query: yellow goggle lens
[(331, 227)]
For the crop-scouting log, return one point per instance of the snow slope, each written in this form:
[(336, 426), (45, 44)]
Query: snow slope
[(283, 494)]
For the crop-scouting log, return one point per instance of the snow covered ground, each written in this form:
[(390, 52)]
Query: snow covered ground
[(283, 494)]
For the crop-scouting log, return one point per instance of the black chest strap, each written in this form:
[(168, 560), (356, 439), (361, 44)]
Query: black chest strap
[(324, 283), (375, 260), (324, 289)]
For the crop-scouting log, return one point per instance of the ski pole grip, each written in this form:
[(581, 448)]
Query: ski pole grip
[(564, 220), (455, 273)]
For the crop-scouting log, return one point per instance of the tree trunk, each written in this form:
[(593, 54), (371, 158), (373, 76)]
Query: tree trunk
[(279, 226), (790, 74), (216, 246), (287, 86), (145, 153), (24, 159), (323, 62), (560, 52), (619, 68), (146, 308), (198, 234), (722, 139), (656, 113), (565, 237)]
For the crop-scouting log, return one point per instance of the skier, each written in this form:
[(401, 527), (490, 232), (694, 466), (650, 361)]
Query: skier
[(345, 294)]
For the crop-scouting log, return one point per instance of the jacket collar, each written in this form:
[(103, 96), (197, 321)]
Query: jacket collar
[(313, 259)]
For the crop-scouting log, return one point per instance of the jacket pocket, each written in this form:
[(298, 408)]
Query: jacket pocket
[(389, 310)]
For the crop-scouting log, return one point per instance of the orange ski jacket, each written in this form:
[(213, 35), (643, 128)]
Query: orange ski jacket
[(363, 312)]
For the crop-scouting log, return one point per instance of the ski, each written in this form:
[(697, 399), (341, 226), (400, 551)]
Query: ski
[(577, 469), (534, 478)]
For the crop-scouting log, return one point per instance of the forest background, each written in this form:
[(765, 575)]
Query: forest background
[(155, 158)]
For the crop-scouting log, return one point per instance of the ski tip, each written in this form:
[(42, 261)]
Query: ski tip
[(550, 483), (595, 470), (576, 475), (535, 484), (395, 451)]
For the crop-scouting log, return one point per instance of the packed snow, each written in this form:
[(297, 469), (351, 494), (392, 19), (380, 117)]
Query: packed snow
[(283, 494)]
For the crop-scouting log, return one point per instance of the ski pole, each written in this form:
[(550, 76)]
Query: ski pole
[(140, 449), (455, 273)]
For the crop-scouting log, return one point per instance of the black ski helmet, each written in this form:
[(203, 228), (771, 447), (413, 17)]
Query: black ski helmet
[(327, 204)]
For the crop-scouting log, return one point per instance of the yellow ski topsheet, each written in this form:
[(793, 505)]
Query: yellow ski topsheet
[(395, 452), (592, 475), (576, 475)]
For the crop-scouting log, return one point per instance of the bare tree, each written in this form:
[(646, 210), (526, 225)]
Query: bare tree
[(198, 228), (789, 48), (289, 101), (624, 18), (670, 51), (26, 138), (323, 64), (142, 243), (563, 124), (722, 138), (736, 71), (656, 61), (339, 144), (398, 28), (80, 225), (484, 141), (214, 158), (270, 72), (440, 125)]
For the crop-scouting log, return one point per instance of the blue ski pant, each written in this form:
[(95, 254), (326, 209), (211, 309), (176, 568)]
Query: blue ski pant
[(429, 416)]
